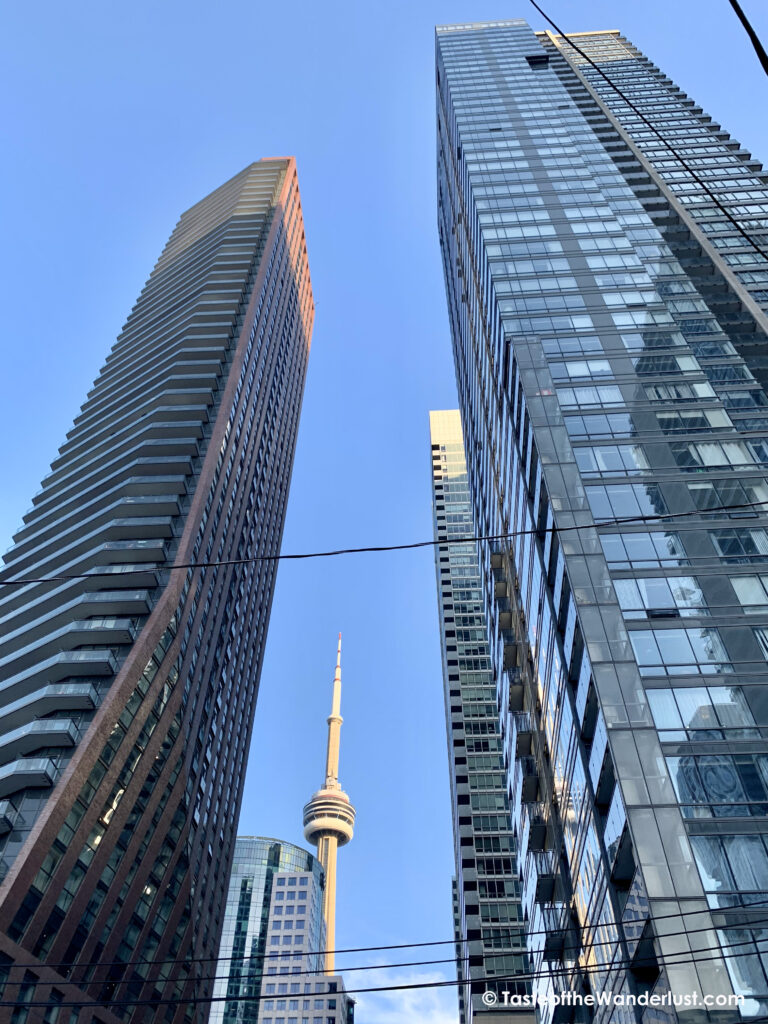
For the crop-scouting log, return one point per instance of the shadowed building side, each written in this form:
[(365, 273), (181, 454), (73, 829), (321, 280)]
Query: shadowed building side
[(127, 688)]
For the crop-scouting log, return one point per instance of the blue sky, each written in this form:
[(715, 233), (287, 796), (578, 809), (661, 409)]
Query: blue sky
[(118, 117)]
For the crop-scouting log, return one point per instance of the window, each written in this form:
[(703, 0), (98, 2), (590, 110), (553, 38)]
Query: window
[(624, 501), (752, 592), (731, 863), (630, 297), (581, 368), (762, 639), (585, 396), (617, 424), (721, 785), (678, 392), (702, 712), (746, 959), (741, 545), (660, 597), (701, 454), (743, 399), (651, 339), (584, 344), (644, 550), (692, 421), (729, 494), (679, 651), (607, 460), (642, 318)]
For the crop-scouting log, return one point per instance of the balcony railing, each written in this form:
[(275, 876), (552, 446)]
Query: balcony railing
[(540, 876), (562, 940), (524, 727), (529, 776), (533, 837)]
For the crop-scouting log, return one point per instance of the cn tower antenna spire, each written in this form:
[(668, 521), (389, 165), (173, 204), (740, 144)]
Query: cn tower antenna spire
[(334, 728), (329, 817)]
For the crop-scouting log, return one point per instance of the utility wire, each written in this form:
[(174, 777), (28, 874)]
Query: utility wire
[(284, 956), (661, 517), (676, 961), (580, 950), (656, 132), (762, 56)]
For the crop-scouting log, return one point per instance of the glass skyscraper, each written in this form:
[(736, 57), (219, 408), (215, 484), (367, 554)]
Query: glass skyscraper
[(490, 942), (609, 338), (262, 870), (127, 688)]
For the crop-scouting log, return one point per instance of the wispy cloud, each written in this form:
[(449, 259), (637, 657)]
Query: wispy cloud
[(406, 1006)]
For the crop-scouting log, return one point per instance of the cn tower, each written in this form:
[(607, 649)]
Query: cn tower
[(329, 818)]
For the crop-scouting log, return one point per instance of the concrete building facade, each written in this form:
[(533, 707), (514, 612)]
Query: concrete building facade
[(488, 917)]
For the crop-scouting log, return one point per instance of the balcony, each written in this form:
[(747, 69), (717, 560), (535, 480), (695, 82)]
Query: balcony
[(123, 603), (7, 817), (34, 736), (516, 689), (534, 827), (561, 941), (523, 728), (59, 697), (107, 631), (27, 773), (544, 865), (62, 666), (529, 776)]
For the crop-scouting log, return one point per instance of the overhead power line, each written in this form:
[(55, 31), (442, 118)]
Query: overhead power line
[(580, 950), (661, 517), (673, 961), (683, 163), (283, 957), (762, 56)]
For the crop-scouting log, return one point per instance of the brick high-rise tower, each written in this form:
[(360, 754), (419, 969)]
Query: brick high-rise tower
[(127, 687)]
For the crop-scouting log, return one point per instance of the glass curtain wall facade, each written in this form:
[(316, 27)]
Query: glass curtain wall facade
[(271, 955), (490, 942), (609, 362), (127, 689), (260, 868), (722, 189)]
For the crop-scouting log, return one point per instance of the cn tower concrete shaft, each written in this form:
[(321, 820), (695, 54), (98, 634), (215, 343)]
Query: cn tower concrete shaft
[(329, 818)]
